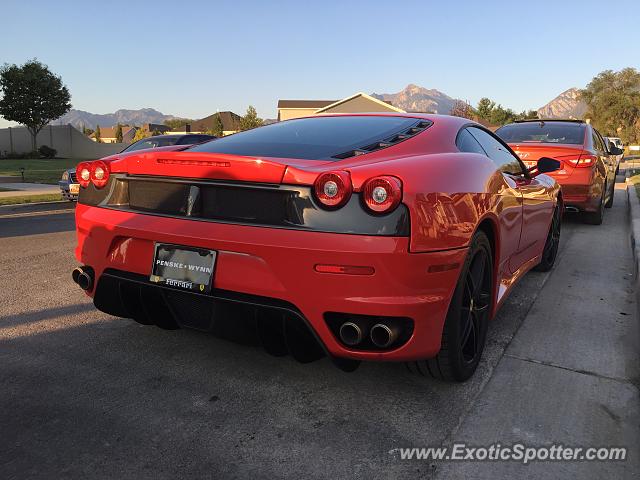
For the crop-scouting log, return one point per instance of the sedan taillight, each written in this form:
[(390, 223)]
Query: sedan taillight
[(83, 174), (583, 161), (333, 189), (382, 194)]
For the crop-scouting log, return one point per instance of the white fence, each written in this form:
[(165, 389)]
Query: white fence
[(67, 140)]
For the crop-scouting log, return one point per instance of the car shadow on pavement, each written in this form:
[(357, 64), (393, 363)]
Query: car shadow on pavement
[(44, 314)]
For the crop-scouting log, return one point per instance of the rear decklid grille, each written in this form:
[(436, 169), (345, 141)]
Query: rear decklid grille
[(265, 205)]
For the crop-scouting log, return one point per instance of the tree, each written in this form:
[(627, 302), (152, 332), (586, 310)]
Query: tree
[(140, 134), (86, 131), (119, 134), (484, 109), (97, 134), (32, 96), (527, 115), (177, 123), (613, 103), (462, 109), (217, 129), (501, 116), (250, 119), (488, 111)]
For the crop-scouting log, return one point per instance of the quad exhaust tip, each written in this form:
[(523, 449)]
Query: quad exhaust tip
[(83, 276), (380, 335), (350, 334), (383, 336)]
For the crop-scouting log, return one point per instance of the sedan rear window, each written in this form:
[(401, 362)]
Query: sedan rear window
[(312, 138), (543, 132)]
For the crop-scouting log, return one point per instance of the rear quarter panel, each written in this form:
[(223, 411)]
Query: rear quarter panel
[(448, 196)]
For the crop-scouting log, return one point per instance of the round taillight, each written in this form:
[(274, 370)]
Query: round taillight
[(99, 173), (333, 189), (83, 174), (382, 194)]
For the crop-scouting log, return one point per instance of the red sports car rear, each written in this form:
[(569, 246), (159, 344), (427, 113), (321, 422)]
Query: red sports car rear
[(360, 237)]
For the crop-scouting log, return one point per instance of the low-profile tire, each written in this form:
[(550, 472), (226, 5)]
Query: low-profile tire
[(595, 218), (550, 251), (465, 328)]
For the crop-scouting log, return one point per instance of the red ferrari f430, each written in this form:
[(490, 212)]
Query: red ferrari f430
[(380, 237)]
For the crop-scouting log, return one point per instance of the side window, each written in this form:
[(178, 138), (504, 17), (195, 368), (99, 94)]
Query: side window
[(604, 144), (597, 142), (503, 158), (467, 143)]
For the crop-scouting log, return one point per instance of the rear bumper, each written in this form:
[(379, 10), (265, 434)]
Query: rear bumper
[(278, 264), (579, 188)]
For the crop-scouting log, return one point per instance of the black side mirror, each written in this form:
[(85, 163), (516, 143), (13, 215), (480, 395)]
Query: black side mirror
[(613, 150), (546, 165)]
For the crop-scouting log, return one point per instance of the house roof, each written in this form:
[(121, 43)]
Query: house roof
[(304, 103), (110, 132), (230, 122), (360, 94), (155, 127)]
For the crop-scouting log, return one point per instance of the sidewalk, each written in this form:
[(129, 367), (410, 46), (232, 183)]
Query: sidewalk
[(570, 375), (27, 189)]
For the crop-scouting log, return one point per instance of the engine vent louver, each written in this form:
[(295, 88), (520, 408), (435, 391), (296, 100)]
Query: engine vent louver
[(420, 126)]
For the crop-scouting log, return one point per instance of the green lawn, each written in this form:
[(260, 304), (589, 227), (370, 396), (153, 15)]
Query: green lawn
[(40, 170), (47, 197)]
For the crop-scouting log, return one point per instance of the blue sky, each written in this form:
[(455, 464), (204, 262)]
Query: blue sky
[(193, 58)]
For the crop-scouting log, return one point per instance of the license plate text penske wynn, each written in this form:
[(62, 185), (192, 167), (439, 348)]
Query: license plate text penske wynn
[(183, 267), (197, 268)]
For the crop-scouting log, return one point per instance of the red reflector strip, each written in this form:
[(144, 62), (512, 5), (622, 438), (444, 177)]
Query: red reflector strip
[(443, 268), (345, 269), (205, 163)]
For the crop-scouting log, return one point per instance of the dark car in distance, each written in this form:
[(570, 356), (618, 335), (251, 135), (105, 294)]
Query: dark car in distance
[(69, 186)]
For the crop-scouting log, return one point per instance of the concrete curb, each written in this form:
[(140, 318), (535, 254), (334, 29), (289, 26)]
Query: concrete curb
[(634, 225)]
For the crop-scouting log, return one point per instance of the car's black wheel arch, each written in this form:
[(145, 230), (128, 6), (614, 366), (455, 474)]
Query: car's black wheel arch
[(490, 228)]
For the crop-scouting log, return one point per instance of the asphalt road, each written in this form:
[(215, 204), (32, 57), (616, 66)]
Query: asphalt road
[(86, 395)]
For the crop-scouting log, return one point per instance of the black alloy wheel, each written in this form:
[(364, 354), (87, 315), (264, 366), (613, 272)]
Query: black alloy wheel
[(465, 328), (550, 251)]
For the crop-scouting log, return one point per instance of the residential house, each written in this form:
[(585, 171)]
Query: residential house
[(156, 128), (108, 134), (356, 103), (230, 124)]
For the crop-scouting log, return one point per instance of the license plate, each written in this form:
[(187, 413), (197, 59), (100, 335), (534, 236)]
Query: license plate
[(74, 188), (183, 267)]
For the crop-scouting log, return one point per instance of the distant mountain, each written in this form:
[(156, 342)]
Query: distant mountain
[(80, 118), (414, 98), (565, 105)]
